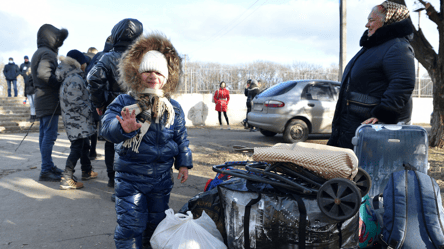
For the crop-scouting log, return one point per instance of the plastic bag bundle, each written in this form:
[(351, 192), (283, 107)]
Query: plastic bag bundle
[(180, 231)]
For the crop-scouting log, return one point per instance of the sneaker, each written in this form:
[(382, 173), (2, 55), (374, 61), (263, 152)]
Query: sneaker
[(111, 183), (70, 184), (221, 127), (229, 128), (57, 170), (113, 197), (49, 177), (89, 175)]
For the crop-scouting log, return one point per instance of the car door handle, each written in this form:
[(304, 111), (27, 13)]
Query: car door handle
[(311, 104)]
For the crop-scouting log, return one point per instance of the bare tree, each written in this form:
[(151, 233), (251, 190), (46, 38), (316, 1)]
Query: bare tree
[(434, 64)]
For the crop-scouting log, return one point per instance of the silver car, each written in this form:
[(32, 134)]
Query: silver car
[(296, 109)]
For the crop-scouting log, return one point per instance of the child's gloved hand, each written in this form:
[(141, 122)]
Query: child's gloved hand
[(183, 172), (128, 121)]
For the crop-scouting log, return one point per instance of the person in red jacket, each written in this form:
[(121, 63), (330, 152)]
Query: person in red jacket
[(221, 98)]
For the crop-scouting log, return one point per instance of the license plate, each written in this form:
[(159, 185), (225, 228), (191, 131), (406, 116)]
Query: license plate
[(257, 107)]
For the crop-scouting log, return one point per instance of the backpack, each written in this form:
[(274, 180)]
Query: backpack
[(212, 99), (413, 212)]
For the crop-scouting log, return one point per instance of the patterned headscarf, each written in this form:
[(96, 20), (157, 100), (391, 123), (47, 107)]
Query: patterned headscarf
[(395, 12)]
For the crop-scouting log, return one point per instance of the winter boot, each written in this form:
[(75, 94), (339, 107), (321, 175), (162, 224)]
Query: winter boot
[(67, 183)]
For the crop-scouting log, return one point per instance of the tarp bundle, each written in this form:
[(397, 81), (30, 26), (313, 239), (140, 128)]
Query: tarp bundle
[(274, 220)]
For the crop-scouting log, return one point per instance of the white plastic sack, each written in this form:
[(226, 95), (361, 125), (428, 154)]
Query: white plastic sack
[(180, 231)]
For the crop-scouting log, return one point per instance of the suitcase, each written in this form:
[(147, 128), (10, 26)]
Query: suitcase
[(383, 149)]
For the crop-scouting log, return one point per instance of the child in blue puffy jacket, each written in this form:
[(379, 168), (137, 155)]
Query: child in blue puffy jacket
[(148, 128)]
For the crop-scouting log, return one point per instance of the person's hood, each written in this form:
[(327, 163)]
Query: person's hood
[(130, 79), (51, 37), (125, 32), (108, 44), (402, 29), (67, 66)]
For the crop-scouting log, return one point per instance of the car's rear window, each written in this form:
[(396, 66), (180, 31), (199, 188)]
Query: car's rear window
[(278, 89)]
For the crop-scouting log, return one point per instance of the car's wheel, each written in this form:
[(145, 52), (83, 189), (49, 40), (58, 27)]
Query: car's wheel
[(296, 131), (267, 133)]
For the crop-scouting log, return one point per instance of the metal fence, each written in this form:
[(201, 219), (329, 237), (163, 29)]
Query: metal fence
[(208, 81), (423, 88)]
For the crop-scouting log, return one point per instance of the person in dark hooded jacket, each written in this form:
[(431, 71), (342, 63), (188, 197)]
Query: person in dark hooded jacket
[(251, 91), (47, 106), (378, 82), (11, 71), (148, 128), (108, 46), (103, 78)]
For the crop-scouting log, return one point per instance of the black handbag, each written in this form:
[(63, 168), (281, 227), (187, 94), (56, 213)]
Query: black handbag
[(361, 105)]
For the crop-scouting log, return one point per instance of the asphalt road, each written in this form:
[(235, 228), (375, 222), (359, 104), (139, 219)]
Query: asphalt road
[(37, 214)]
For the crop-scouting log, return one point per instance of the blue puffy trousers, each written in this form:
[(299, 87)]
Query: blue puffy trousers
[(141, 202)]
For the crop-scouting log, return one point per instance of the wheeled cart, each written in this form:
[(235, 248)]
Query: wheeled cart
[(285, 205)]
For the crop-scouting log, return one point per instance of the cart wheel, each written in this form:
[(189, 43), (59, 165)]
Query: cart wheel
[(339, 199), (363, 181)]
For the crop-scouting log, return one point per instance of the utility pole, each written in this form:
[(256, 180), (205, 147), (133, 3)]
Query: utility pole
[(342, 36), (419, 66), (185, 71)]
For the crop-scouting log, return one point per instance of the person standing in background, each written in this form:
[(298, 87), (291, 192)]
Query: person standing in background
[(11, 71), (221, 98), (251, 91), (25, 72), (30, 93)]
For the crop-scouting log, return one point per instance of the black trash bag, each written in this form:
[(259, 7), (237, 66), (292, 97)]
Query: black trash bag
[(210, 203), (274, 219)]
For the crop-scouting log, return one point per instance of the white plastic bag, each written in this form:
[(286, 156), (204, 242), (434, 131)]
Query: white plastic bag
[(180, 231)]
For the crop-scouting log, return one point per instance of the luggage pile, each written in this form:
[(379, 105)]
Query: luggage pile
[(317, 196), (292, 196)]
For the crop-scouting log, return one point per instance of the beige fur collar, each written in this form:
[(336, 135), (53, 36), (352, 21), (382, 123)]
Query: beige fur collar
[(69, 61)]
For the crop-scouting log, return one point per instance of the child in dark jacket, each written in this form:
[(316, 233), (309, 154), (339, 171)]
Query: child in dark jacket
[(148, 128)]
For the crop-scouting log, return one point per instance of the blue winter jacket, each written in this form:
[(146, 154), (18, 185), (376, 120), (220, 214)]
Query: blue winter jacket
[(160, 148)]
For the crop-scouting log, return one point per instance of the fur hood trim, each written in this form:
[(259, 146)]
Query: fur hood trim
[(387, 32), (70, 61), (130, 78)]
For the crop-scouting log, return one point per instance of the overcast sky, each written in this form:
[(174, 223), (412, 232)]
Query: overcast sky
[(223, 31)]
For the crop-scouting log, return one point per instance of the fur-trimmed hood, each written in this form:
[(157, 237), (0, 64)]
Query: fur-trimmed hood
[(130, 78), (387, 32), (67, 66)]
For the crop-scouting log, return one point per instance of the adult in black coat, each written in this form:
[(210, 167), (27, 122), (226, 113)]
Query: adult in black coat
[(103, 78), (251, 91), (93, 139), (378, 82), (47, 107), (98, 56), (24, 68), (11, 71)]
